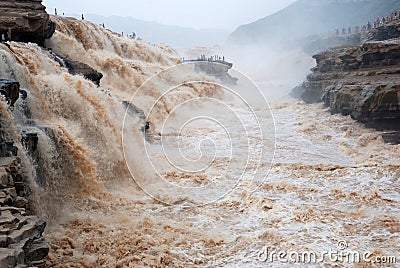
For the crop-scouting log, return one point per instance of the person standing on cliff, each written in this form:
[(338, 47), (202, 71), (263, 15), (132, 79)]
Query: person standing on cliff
[(55, 11), (378, 21), (83, 18)]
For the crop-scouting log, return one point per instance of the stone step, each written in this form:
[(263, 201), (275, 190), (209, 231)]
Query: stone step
[(20, 202), (8, 222), (34, 228), (13, 209), (37, 250)]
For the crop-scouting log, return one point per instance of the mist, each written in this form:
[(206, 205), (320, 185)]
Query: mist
[(162, 133)]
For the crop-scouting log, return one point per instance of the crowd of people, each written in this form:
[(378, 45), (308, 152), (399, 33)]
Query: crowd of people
[(205, 58), (212, 58), (379, 22)]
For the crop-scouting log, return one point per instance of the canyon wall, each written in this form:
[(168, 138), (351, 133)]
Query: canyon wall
[(360, 80)]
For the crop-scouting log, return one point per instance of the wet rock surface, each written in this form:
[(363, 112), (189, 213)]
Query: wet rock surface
[(21, 240), (218, 69), (25, 21), (389, 31), (10, 89), (391, 137), (78, 68), (362, 80)]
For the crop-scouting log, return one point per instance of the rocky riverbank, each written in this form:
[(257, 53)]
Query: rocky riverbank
[(21, 234), (360, 80), (21, 240)]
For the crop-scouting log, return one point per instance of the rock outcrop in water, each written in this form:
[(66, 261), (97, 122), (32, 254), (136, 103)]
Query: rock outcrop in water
[(21, 240), (361, 80), (216, 68), (10, 89), (25, 21), (78, 68), (219, 70)]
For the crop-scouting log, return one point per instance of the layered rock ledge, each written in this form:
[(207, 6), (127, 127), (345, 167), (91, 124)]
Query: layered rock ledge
[(78, 68), (360, 80), (21, 240), (25, 21)]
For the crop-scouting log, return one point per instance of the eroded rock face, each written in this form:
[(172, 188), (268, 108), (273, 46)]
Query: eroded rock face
[(21, 241), (390, 31), (391, 137), (10, 89), (217, 69), (25, 21), (80, 68), (361, 80)]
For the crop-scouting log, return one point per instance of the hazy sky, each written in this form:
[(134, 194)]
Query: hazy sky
[(223, 14)]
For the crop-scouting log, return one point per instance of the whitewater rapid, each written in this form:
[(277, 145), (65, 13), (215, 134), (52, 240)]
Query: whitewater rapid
[(328, 180), (332, 180)]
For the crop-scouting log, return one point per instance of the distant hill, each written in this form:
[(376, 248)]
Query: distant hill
[(178, 37), (310, 17)]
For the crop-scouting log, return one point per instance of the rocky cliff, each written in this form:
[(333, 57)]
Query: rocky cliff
[(360, 80), (217, 69), (21, 240), (21, 233), (25, 21)]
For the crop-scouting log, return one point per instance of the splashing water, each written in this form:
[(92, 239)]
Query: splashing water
[(332, 179)]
